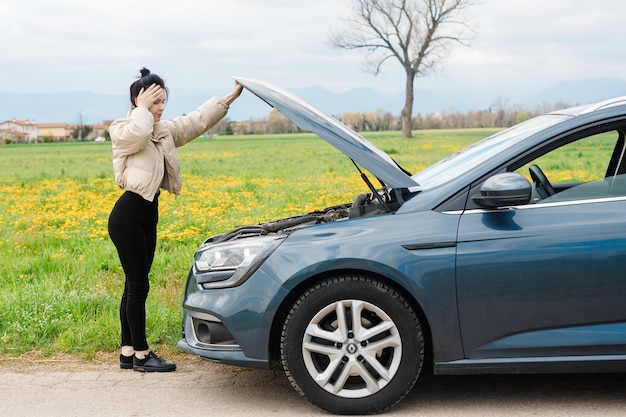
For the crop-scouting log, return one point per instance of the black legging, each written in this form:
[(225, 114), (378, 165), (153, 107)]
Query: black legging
[(133, 230)]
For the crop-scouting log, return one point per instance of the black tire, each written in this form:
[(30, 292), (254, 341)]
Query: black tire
[(328, 360)]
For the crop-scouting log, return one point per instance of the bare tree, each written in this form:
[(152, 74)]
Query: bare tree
[(418, 33)]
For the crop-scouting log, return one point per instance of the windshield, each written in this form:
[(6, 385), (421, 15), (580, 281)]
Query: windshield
[(476, 154)]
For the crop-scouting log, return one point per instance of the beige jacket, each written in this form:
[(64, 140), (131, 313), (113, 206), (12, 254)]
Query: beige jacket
[(144, 152)]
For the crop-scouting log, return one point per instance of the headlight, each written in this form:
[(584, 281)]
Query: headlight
[(229, 264)]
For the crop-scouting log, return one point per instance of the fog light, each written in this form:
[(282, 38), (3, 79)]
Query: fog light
[(203, 333), (212, 333)]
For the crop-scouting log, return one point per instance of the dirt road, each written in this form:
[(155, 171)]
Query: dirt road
[(63, 387)]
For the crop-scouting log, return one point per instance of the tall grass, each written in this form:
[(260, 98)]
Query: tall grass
[(60, 278)]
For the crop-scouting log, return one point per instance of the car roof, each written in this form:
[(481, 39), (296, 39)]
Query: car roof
[(590, 108)]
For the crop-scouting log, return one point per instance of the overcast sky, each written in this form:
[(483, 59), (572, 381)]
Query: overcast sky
[(99, 46)]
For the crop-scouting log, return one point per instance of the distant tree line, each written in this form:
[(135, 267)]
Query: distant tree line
[(500, 114)]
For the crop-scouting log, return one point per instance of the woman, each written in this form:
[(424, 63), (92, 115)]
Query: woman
[(144, 161)]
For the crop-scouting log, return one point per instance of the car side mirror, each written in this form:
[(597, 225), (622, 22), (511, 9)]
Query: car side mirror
[(506, 189)]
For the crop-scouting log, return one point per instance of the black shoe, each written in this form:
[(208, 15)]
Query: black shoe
[(152, 363), (126, 362)]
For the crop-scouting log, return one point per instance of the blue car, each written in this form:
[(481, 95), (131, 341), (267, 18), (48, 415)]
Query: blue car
[(481, 263)]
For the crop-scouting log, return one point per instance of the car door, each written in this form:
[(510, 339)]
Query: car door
[(549, 278)]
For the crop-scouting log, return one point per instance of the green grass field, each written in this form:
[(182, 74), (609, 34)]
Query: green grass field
[(60, 278)]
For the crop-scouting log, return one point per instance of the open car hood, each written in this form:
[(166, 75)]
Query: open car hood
[(309, 118)]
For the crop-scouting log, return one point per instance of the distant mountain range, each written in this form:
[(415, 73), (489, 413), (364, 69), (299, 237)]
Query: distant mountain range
[(93, 108)]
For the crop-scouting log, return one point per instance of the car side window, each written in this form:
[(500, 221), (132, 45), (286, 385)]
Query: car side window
[(589, 168)]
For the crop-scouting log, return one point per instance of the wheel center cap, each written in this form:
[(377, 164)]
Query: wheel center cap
[(351, 349)]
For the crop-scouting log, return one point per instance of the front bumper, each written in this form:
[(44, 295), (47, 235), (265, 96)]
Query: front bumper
[(227, 352), (231, 325)]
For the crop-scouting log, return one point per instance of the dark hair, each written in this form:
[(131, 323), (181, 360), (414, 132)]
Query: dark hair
[(145, 81)]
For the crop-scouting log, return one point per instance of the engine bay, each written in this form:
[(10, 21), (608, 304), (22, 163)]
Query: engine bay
[(378, 202)]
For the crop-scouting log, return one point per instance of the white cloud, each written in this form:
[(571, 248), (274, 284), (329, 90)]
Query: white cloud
[(70, 45), (535, 43)]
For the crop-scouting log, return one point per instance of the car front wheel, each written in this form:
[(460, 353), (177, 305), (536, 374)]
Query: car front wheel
[(352, 345)]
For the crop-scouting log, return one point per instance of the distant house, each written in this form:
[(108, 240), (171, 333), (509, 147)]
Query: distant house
[(18, 131), (25, 131), (56, 132), (97, 131)]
